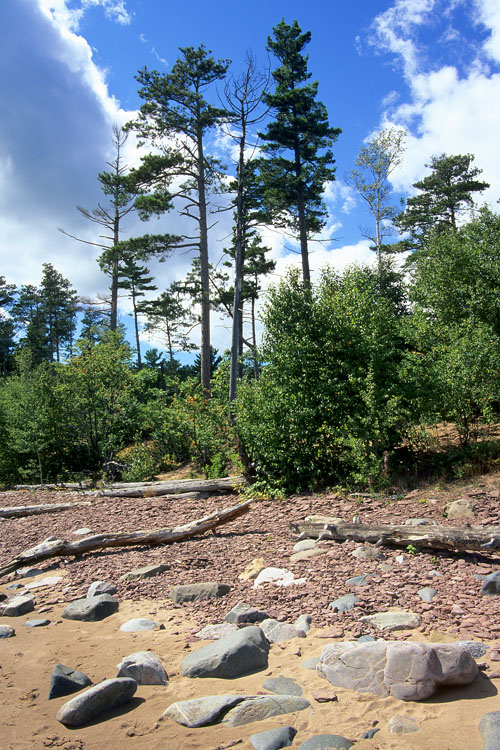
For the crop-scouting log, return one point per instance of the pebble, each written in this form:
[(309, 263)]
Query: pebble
[(36, 623)]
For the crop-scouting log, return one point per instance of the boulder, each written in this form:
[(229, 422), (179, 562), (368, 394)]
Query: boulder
[(140, 624), (92, 609), (6, 631), (144, 667), (96, 700), (408, 671), (303, 622), (234, 655), (427, 594), (214, 632), (193, 592), (100, 587), (200, 712), (277, 632), (17, 606), (273, 739), (304, 545), (393, 620), (491, 584), (65, 681), (344, 603), (489, 726), (277, 576), (463, 508), (38, 623), (253, 569), (260, 707), (244, 613), (368, 553)]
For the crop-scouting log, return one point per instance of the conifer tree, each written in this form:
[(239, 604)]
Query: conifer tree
[(59, 308), (135, 278), (297, 143)]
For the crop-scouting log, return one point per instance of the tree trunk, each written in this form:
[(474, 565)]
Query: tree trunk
[(156, 489), (479, 538), (63, 548), (33, 510), (204, 269)]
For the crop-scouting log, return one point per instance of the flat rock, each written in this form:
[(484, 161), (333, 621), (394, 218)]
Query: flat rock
[(368, 553), (200, 712), (234, 655), (427, 594), (420, 522), (282, 686), (260, 707), (91, 609), (193, 592), (402, 725), (29, 572), (84, 531), (96, 700), (278, 577), (489, 726), (39, 623), (139, 624), (304, 545), (310, 663), (144, 667), (344, 603), (361, 580), (273, 739), (148, 571), (393, 620), (214, 632), (408, 671), (328, 520), (278, 632), (253, 569), (17, 606), (326, 742), (491, 584), (463, 508), (306, 554), (47, 581), (100, 587), (244, 613), (65, 681), (6, 631)]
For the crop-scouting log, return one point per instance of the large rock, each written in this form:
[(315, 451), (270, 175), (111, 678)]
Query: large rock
[(6, 631), (193, 592), (277, 576), (92, 609), (408, 671), (277, 632), (234, 655), (96, 700), (273, 739), (200, 712), (344, 603), (393, 620), (214, 632), (463, 508), (244, 613), (100, 587), (65, 681), (489, 726), (260, 707), (491, 584), (17, 606), (144, 667)]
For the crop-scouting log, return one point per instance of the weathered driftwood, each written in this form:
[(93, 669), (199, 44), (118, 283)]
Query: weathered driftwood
[(33, 510), (63, 548), (436, 537), (156, 489), (59, 486)]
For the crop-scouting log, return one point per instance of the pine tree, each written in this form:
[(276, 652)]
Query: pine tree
[(297, 143), (7, 296), (167, 316), (59, 308), (136, 280), (444, 195)]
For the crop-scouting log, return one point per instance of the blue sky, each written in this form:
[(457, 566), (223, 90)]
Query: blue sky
[(67, 73)]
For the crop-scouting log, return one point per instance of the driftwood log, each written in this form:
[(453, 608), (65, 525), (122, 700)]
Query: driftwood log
[(156, 489), (33, 510), (63, 548), (480, 538)]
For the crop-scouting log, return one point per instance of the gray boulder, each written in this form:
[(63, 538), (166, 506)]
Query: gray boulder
[(326, 742), (304, 545), (463, 508), (38, 623), (139, 624), (273, 739), (491, 584), (96, 700), (200, 712), (303, 622), (6, 631), (260, 707), (344, 603), (193, 592), (393, 620), (214, 632), (65, 681), (100, 587), (234, 655), (148, 571), (427, 594), (17, 606), (282, 686), (278, 632), (408, 671), (489, 726), (92, 609), (144, 667), (244, 613), (368, 553)]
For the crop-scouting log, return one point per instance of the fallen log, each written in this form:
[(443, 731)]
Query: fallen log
[(33, 510), (480, 538), (58, 486), (156, 489), (63, 548)]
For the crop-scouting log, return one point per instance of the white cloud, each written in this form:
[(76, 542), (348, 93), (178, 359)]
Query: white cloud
[(489, 16)]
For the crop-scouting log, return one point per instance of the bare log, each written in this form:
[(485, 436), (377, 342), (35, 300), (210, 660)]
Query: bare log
[(63, 548), (33, 510), (478, 538), (156, 489), (59, 486)]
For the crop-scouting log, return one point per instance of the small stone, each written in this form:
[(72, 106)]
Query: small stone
[(277, 576), (368, 553), (244, 613), (65, 681), (36, 623), (17, 606), (361, 580), (6, 631), (96, 700), (427, 594), (344, 603), (148, 571), (475, 648), (304, 545), (273, 739), (144, 667), (306, 554), (260, 707), (310, 663), (420, 522), (47, 581), (282, 686), (303, 622), (278, 632), (393, 620), (369, 734), (84, 531), (100, 587), (29, 572), (234, 655), (14, 586), (402, 725), (463, 508), (491, 584), (326, 742), (193, 592), (214, 632), (201, 712), (140, 624), (400, 559), (253, 569)]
